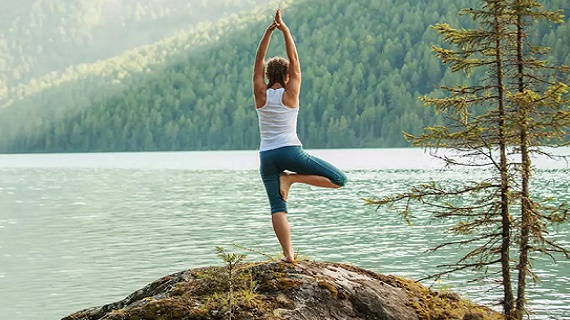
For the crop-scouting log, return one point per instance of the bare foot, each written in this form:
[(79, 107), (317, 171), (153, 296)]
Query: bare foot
[(285, 184), (289, 258)]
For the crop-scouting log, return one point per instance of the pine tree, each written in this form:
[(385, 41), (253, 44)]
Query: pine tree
[(511, 112), (540, 107)]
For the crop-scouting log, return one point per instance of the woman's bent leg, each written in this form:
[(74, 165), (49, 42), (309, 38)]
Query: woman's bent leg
[(288, 179), (310, 170)]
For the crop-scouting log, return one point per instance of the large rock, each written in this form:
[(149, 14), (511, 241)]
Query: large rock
[(276, 290)]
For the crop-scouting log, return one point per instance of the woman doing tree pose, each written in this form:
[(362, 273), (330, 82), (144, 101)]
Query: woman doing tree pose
[(283, 161)]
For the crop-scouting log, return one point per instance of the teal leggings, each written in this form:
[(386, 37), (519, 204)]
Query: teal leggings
[(295, 159)]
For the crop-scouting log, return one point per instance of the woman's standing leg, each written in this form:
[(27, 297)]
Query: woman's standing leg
[(283, 233), (270, 175)]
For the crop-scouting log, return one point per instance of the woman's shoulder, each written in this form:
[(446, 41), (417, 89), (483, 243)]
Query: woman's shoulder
[(260, 97), (290, 99)]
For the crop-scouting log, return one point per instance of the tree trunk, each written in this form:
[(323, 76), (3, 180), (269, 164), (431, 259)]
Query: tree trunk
[(526, 213), (508, 298)]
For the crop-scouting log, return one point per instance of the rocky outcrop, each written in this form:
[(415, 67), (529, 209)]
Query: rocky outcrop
[(277, 290)]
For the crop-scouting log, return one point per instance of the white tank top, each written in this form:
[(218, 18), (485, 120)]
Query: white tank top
[(277, 122)]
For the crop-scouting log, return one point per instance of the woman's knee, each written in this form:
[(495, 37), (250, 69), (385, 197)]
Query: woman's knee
[(277, 205), (340, 179)]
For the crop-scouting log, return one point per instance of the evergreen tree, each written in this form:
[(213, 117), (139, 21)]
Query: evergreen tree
[(541, 114), (509, 112)]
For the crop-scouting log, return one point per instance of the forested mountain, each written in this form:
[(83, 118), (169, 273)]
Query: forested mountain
[(364, 63), (41, 36)]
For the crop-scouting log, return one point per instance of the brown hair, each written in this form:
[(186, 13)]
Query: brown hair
[(277, 69)]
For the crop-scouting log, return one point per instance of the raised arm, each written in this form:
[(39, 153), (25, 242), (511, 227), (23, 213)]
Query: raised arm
[(294, 84), (259, 86)]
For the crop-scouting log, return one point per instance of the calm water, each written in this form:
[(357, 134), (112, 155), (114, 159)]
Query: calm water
[(82, 230)]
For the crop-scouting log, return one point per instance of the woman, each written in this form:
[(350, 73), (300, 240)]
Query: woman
[(277, 105)]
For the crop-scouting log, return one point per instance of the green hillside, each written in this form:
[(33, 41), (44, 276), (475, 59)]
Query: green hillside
[(41, 36), (364, 63)]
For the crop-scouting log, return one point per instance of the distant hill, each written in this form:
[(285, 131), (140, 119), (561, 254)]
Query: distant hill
[(364, 63), (41, 36), (12, 11)]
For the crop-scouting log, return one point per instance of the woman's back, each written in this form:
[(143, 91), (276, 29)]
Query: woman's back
[(277, 122)]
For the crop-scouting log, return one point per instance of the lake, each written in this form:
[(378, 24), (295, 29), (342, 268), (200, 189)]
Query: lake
[(81, 230)]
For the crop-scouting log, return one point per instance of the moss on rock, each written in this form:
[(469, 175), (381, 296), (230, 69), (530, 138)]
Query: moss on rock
[(277, 290)]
